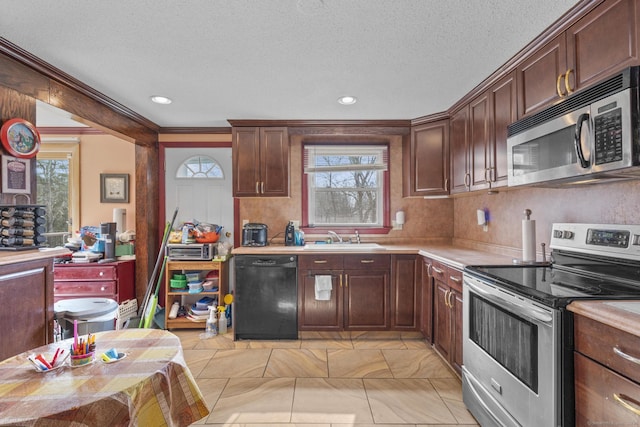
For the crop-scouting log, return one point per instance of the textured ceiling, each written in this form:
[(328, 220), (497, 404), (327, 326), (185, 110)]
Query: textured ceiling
[(278, 59)]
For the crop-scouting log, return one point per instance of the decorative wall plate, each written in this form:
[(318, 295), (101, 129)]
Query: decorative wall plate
[(20, 138)]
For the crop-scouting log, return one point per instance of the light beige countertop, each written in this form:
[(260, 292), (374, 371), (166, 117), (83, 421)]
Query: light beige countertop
[(623, 315), (13, 257), (456, 256)]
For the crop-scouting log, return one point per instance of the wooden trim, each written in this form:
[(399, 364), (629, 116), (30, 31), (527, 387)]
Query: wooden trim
[(70, 131), (22, 56), (430, 118), (321, 123), (197, 130)]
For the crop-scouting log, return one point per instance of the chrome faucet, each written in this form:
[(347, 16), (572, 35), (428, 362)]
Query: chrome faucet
[(334, 234)]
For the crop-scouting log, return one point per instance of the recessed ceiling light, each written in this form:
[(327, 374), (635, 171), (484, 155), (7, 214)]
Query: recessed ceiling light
[(347, 100), (161, 99)]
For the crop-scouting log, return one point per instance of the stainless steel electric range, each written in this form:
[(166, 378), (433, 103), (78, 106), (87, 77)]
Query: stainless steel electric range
[(518, 334)]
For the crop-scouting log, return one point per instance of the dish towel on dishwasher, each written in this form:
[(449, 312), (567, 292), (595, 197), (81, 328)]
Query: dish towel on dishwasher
[(323, 287)]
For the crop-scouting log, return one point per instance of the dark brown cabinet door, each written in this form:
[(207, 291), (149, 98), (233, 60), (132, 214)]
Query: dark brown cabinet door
[(603, 42), (316, 314), (246, 161), (479, 142), (260, 162), (366, 300), (456, 339), (539, 76), (426, 319), (459, 151), (274, 162), (406, 290), (441, 319), (426, 169), (26, 292), (504, 111)]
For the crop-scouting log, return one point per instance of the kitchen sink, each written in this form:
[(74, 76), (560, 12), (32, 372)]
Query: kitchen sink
[(343, 247)]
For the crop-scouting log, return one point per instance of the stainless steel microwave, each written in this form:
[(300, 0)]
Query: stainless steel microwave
[(592, 135)]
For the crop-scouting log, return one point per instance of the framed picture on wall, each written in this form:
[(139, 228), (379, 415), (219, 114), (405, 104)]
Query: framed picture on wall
[(16, 175), (114, 188)]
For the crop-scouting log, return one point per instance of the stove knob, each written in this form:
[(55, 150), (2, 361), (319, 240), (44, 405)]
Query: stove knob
[(567, 235), (557, 234)]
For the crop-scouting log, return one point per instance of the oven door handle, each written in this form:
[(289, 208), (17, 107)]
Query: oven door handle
[(527, 311)]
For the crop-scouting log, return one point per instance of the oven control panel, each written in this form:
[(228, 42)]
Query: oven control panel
[(613, 240)]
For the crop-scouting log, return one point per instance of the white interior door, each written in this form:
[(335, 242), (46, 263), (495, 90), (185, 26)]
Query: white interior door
[(205, 199)]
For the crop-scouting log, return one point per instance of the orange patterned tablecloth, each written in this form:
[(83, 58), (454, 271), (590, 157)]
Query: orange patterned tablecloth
[(151, 386)]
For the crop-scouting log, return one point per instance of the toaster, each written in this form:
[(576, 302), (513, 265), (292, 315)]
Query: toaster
[(254, 234)]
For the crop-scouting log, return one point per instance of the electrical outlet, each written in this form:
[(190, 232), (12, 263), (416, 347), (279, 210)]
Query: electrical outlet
[(296, 224), (245, 222)]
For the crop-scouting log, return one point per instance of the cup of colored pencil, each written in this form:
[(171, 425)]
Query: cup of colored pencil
[(83, 349)]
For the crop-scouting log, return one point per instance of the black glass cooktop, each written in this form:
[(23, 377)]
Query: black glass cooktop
[(559, 284)]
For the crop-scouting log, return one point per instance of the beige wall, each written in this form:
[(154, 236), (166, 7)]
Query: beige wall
[(104, 154)]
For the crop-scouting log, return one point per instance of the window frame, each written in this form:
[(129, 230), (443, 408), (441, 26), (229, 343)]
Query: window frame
[(68, 149), (363, 229)]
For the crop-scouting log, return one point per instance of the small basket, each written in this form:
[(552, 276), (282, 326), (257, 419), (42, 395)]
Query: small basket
[(127, 310), (76, 360)]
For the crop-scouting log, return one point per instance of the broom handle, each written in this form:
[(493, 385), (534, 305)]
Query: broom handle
[(165, 237)]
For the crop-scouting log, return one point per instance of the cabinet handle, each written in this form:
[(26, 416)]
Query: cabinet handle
[(467, 180), (437, 270), (446, 183), (566, 81), (559, 88), (446, 298), (101, 274), (346, 280), (257, 187), (627, 403), (262, 187), (450, 300), (487, 179), (319, 261), (340, 276), (367, 261), (102, 288), (455, 279), (626, 356)]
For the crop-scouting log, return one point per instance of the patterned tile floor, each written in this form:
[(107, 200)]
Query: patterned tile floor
[(364, 379)]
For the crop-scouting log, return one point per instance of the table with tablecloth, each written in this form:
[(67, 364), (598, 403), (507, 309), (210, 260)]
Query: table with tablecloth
[(150, 386)]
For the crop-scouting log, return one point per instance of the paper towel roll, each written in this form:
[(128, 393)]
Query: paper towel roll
[(120, 218), (528, 240)]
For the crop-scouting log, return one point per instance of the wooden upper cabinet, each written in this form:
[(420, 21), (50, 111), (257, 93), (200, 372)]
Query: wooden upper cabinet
[(599, 44), (426, 160), (479, 141), (603, 42), (539, 77), (260, 162), (459, 150), (503, 111)]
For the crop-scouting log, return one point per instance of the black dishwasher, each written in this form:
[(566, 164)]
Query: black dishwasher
[(266, 297)]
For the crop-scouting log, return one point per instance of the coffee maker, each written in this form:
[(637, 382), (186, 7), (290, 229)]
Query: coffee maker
[(108, 233), (289, 234)]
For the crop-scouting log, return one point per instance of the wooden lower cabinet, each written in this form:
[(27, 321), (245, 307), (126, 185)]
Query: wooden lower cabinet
[(607, 376), (406, 292), (447, 313), (359, 298), (26, 292), (426, 305)]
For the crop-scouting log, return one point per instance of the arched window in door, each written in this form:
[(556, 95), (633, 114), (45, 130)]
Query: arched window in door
[(200, 167)]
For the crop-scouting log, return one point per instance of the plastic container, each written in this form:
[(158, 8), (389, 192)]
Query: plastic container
[(76, 360), (92, 314), (211, 329), (177, 283), (222, 321)]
